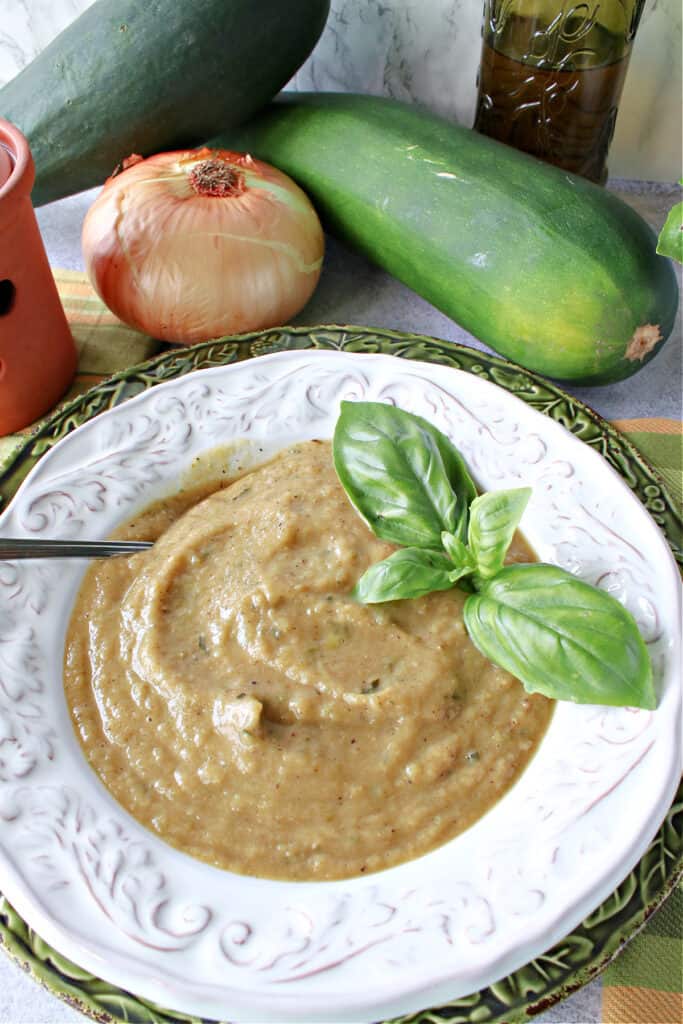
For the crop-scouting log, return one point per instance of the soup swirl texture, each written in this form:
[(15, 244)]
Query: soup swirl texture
[(235, 700)]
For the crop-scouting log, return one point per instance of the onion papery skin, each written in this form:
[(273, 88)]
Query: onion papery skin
[(184, 266)]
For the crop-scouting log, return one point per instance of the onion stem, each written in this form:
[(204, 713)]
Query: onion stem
[(216, 178)]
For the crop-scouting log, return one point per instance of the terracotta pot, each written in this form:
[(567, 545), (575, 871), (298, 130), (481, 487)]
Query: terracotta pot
[(37, 352)]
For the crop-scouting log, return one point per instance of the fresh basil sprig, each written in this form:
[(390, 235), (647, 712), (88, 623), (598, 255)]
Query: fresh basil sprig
[(558, 635)]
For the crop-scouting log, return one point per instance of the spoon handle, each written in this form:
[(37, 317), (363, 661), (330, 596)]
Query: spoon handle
[(11, 549)]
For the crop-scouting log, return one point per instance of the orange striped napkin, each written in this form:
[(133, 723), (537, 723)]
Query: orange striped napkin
[(661, 442), (104, 344), (643, 985)]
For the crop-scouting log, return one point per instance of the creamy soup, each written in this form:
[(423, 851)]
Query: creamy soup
[(237, 702)]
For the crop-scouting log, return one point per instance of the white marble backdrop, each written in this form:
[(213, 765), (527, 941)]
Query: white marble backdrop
[(428, 51), (423, 50), (26, 26)]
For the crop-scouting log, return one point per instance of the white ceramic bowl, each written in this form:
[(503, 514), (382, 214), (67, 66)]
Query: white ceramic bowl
[(124, 905)]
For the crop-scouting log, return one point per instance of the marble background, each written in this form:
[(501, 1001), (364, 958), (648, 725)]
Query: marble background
[(428, 51)]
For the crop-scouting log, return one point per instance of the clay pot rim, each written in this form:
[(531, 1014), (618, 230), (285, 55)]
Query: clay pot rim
[(22, 175)]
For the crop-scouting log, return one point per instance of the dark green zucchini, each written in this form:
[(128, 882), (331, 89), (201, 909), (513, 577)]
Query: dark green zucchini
[(546, 268), (143, 76)]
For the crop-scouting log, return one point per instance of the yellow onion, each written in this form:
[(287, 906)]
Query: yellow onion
[(191, 245)]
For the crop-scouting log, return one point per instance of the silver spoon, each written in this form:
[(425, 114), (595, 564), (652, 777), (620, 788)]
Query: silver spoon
[(11, 549)]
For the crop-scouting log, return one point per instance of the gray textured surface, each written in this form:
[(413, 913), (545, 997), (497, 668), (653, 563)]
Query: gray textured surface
[(351, 290)]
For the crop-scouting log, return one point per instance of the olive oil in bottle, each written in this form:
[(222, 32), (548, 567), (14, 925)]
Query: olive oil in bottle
[(551, 77)]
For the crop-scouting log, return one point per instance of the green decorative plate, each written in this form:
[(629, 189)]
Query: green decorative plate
[(579, 957)]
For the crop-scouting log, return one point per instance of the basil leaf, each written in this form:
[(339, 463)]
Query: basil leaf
[(456, 550), (457, 574), (670, 241), (404, 477), (494, 517), (409, 572), (459, 555), (561, 637)]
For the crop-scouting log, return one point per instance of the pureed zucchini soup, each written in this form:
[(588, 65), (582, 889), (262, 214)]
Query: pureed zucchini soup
[(235, 699)]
